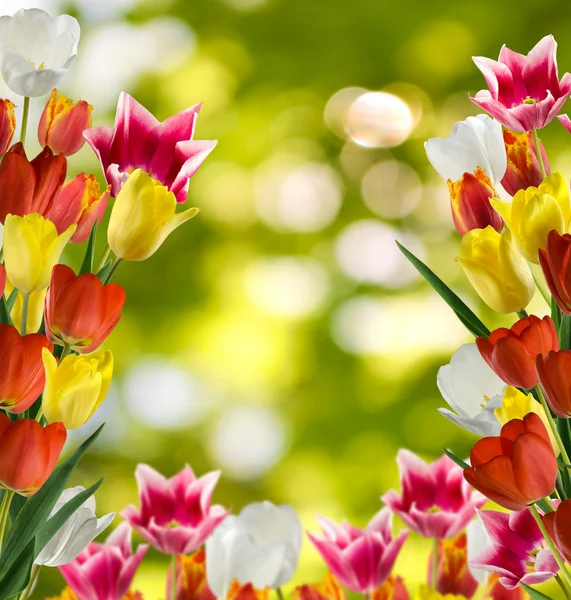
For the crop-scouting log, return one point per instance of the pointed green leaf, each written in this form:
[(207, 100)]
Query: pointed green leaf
[(565, 333), (105, 270), (555, 314), (12, 300), (87, 264), (18, 575), (4, 313), (468, 318), (457, 460), (535, 594)]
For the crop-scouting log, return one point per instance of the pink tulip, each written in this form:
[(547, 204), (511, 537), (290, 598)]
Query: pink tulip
[(524, 91), (361, 559), (175, 516), (436, 502), (138, 140), (105, 571), (517, 551)]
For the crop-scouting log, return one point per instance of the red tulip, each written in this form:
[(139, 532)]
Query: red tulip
[(522, 164), (29, 453), (21, 368), (558, 525), (511, 352), (7, 125), (518, 467), (80, 310), (554, 372), (554, 261)]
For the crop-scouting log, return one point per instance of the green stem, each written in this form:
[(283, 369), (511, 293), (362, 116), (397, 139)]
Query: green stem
[(280, 594), (104, 258), (539, 154), (66, 350), (33, 576), (25, 113), (40, 415), (563, 587), (522, 314), (173, 577), (552, 424), (434, 563), (541, 286), (23, 324), (112, 270), (4, 512)]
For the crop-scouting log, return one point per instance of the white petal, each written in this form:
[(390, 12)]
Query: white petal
[(65, 24), (103, 523), (478, 541), (219, 555), (489, 134), (4, 26), (32, 32), (485, 424)]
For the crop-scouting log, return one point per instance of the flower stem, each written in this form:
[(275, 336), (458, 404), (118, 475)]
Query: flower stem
[(522, 314), (104, 258), (173, 577), (113, 267), (434, 563), (24, 324), (550, 544), (563, 587), (539, 154), (279, 593), (4, 512), (552, 425), (24, 127), (66, 350), (540, 285), (33, 576)]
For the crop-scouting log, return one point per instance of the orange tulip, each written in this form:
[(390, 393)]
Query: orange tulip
[(392, 589), (191, 581), (554, 373), (22, 376), (62, 124), (454, 576), (80, 311), (238, 591), (29, 453), (494, 590), (558, 525), (7, 124), (328, 589), (29, 186), (522, 165), (554, 261), (511, 352), (518, 467)]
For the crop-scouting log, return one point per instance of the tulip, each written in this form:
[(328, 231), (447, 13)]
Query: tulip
[(191, 581), (553, 371), (36, 50), (259, 546), (80, 311), (75, 534), (175, 516), (29, 186), (7, 124), (105, 571), (142, 217), (536, 211), (515, 549), (518, 467), (21, 371), (328, 589), (361, 559), (24, 472), (496, 269), (392, 589), (62, 124), (558, 525), (523, 170), (138, 141), (436, 502), (467, 384), (554, 260), (35, 312), (511, 352), (247, 591), (524, 91), (80, 202), (76, 387), (32, 247)]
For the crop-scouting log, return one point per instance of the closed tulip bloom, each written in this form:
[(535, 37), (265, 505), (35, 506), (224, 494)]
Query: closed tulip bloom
[(62, 124), (76, 387), (554, 261), (517, 468), (558, 525), (76, 533), (536, 211), (191, 581), (7, 124), (80, 311), (29, 186), (29, 453), (32, 248), (495, 268), (21, 369), (80, 202), (35, 313), (523, 169), (554, 374), (328, 589), (142, 217), (511, 352)]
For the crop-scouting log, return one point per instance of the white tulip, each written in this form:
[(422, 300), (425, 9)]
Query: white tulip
[(475, 142), (472, 390), (478, 540), (260, 546), (36, 50), (76, 533)]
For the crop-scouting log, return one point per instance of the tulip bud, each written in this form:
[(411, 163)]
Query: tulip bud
[(554, 261), (470, 200), (62, 124), (7, 125), (80, 202), (76, 387), (523, 166), (534, 212), (496, 269), (142, 217), (31, 249), (35, 311)]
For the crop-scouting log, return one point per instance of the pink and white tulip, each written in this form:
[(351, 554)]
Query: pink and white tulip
[(361, 559), (105, 571), (175, 516), (139, 141), (516, 551), (436, 501), (524, 92)]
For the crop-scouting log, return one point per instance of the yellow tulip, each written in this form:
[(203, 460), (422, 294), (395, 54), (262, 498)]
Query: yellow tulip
[(496, 269), (76, 387), (423, 592), (534, 212), (516, 404), (32, 248), (142, 217), (35, 312)]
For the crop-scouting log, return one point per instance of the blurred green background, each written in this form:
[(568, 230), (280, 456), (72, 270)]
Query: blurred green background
[(280, 336)]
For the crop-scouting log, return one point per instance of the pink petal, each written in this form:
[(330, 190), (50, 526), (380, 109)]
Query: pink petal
[(515, 63), (157, 500), (417, 480), (336, 561), (188, 158), (540, 70), (498, 79), (78, 580), (497, 110), (129, 569), (197, 499)]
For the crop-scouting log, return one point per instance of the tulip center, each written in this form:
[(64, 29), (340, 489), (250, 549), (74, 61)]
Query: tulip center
[(528, 100), (530, 564)]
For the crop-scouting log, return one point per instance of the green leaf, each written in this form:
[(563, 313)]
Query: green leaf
[(544, 505), (555, 314), (468, 318), (535, 594), (457, 460), (87, 264), (18, 575), (49, 529), (6, 306), (12, 300), (565, 333), (104, 271), (37, 509)]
